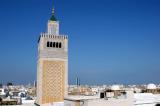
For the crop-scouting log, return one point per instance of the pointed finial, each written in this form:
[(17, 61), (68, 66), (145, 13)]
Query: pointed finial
[(53, 9), (53, 13)]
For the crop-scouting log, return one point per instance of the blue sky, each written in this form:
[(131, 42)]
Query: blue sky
[(110, 41)]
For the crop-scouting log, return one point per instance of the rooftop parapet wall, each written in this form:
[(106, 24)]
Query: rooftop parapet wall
[(53, 36), (46, 35)]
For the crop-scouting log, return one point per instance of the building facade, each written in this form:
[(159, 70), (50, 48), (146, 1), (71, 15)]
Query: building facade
[(52, 66)]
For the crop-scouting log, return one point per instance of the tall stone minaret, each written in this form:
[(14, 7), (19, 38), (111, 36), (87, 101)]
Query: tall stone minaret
[(52, 66)]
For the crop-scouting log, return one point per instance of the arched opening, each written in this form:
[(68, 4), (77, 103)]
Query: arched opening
[(1, 101), (50, 44), (56, 44), (60, 45), (47, 44)]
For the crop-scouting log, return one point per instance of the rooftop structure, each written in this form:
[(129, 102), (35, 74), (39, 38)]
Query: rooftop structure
[(115, 87), (126, 100), (151, 86)]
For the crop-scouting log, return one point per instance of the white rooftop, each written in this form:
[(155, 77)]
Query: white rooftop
[(146, 99), (79, 97)]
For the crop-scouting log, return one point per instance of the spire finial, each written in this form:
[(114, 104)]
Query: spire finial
[(53, 13), (53, 9)]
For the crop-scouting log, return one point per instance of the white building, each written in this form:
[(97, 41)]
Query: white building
[(2, 93)]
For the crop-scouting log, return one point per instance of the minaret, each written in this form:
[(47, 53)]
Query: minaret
[(52, 66)]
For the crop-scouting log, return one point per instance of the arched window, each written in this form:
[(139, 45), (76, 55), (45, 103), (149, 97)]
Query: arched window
[(50, 44), (47, 44), (60, 45), (56, 44)]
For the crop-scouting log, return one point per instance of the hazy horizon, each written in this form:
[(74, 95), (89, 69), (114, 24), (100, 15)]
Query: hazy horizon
[(110, 41)]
